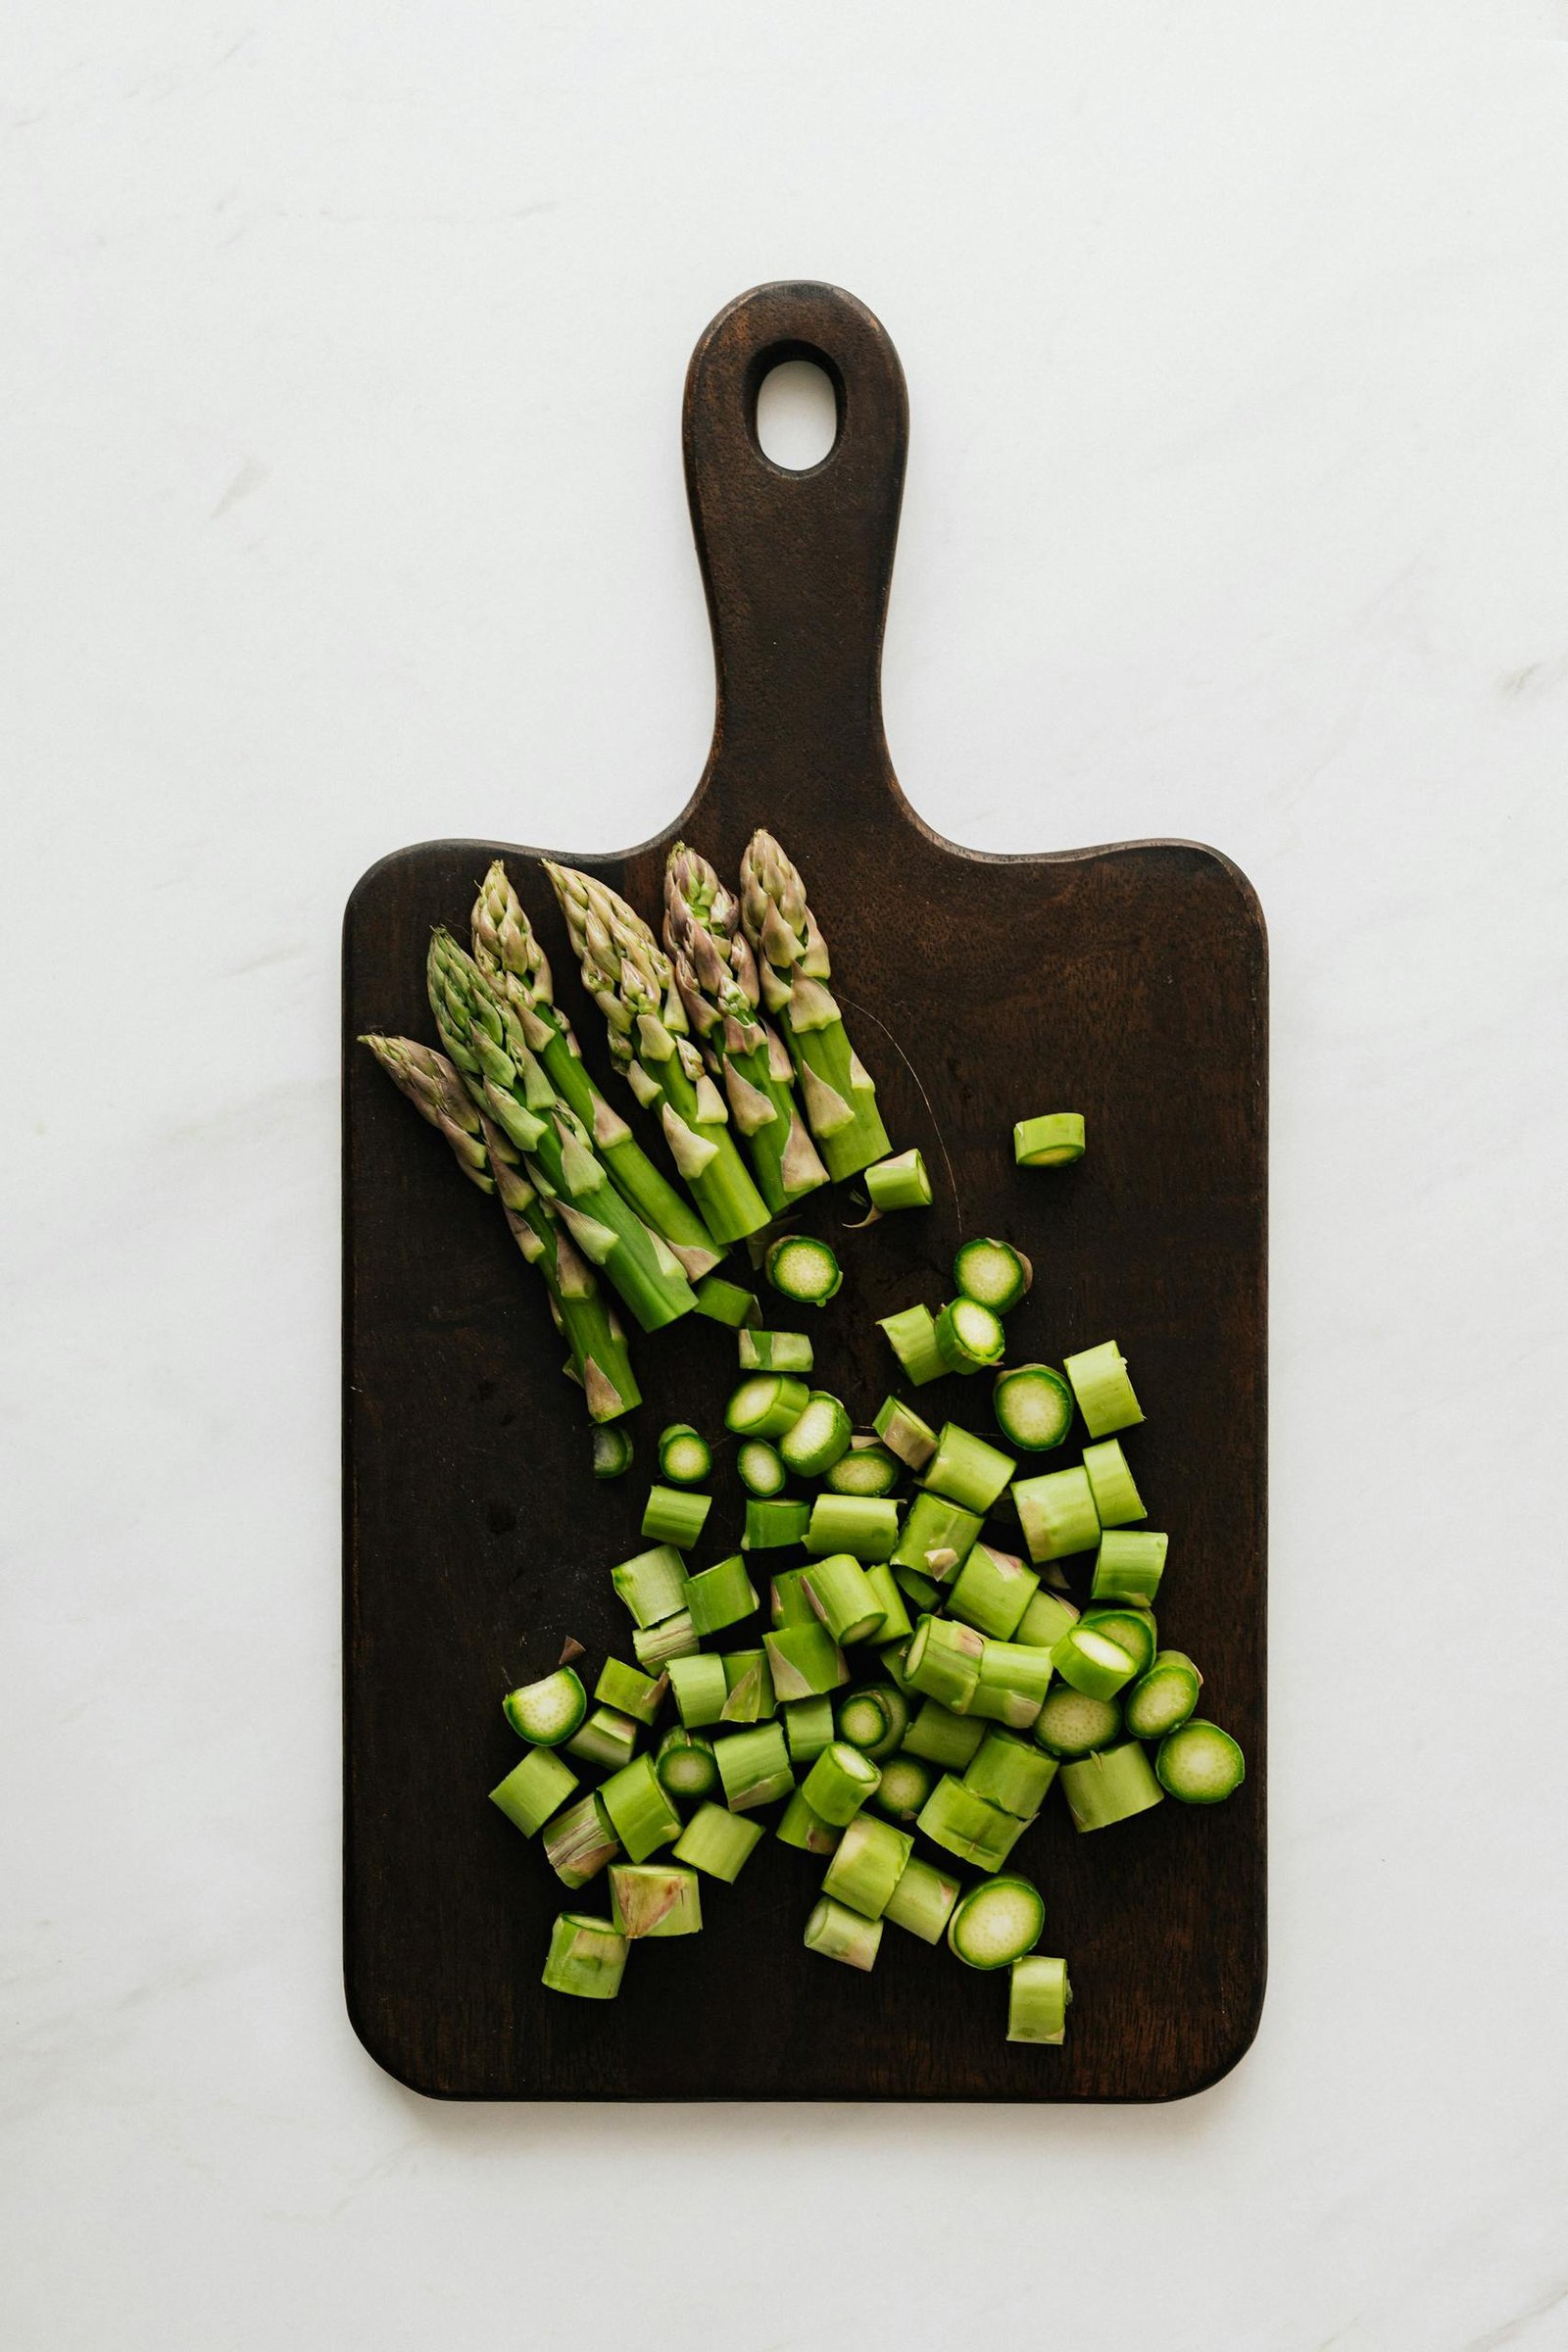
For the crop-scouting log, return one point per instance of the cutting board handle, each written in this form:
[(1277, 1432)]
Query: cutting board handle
[(796, 564)]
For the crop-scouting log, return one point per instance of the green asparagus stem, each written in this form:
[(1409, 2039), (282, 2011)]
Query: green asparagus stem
[(789, 1603), (912, 1334), (587, 1957), (774, 1526), (840, 1934), (534, 1789), (652, 1585), (656, 1646), (599, 1360), (1057, 1512), (547, 1712), (804, 1660), (991, 1590), (1164, 1697), (721, 1596), (1129, 1626), (685, 1457), (1109, 1786), (1105, 1393), (718, 1841), (715, 973), (1110, 1482), (838, 1590), (512, 959), (699, 1689), (1033, 1405), (867, 1865), (652, 1899), (1012, 1683), (1012, 1772), (675, 1515), (839, 1783), (612, 1452), (867, 1469), (1038, 1995), (994, 1272), (1049, 1141), (1045, 1621), (628, 975), (481, 1034), (749, 1693), (1200, 1764), (793, 968), (938, 1536), (800, 1825), (967, 1825), (808, 1728), (686, 1768), (641, 1814), (814, 1443), (1071, 1723), (864, 1525), (605, 1738), (939, 1737), (803, 1270), (943, 1662), (900, 1183), (1092, 1662), (904, 1433), (774, 1351), (726, 1302), (967, 1469), (579, 1842), (922, 1901), (753, 1766), (629, 1690), (1129, 1565), (906, 1785), (997, 1923)]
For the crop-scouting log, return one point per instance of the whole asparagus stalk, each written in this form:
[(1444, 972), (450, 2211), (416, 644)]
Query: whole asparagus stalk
[(517, 968), (838, 1091), (715, 973), (628, 975), (479, 1031), (598, 1359)]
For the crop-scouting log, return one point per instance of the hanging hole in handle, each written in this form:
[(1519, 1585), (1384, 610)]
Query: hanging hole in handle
[(797, 407)]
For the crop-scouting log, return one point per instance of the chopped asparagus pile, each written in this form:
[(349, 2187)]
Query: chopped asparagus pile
[(921, 1678)]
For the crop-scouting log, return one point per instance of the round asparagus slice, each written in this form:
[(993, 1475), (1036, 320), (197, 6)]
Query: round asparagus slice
[(1165, 1697), (1200, 1764), (995, 1923), (685, 1456), (546, 1713), (1033, 1405), (994, 1272), (803, 1270)]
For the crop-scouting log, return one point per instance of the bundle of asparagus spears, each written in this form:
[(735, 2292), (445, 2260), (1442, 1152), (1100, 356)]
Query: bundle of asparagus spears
[(714, 1031)]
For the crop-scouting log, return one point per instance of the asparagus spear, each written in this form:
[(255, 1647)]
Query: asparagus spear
[(839, 1094), (479, 1031), (628, 975), (715, 974), (598, 1359), (513, 962)]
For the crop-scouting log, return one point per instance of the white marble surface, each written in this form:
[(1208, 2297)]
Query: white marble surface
[(342, 352)]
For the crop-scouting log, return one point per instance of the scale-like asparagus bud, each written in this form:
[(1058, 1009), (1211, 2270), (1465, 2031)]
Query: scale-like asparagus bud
[(793, 969), (629, 977), (716, 975), (511, 1087), (598, 1359), (518, 970), (437, 1092)]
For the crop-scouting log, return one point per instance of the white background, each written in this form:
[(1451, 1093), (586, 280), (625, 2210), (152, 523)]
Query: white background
[(340, 377)]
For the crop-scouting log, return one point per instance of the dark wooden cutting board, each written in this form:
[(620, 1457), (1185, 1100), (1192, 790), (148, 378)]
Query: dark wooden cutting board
[(1126, 982)]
